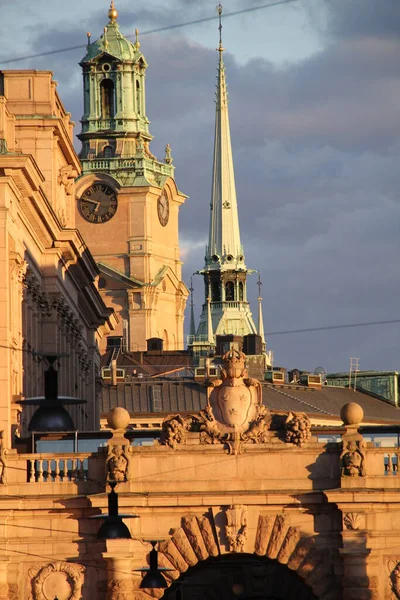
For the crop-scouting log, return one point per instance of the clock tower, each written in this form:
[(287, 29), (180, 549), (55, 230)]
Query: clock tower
[(127, 200)]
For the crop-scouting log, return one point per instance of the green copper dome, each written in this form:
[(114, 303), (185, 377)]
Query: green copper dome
[(113, 43)]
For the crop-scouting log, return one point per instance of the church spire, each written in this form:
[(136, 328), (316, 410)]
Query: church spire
[(226, 310), (224, 249), (192, 329), (260, 328)]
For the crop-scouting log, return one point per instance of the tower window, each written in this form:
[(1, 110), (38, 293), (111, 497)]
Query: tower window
[(138, 103), (107, 99), (215, 291), (229, 291), (240, 291)]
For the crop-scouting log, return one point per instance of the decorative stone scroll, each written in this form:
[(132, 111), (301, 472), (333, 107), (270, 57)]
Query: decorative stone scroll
[(65, 579), (298, 428), (236, 527)]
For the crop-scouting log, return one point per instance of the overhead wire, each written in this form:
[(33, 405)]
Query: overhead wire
[(150, 31)]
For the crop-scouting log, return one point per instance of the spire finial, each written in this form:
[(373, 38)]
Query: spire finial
[(137, 43), (112, 13), (259, 283), (219, 11)]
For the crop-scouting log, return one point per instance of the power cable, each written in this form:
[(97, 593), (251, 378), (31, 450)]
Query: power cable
[(150, 31), (327, 327)]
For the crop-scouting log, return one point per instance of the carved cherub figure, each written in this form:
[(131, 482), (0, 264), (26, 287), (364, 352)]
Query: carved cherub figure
[(353, 458), (116, 463)]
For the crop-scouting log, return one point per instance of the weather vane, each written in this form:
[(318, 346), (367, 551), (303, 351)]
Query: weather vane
[(219, 11)]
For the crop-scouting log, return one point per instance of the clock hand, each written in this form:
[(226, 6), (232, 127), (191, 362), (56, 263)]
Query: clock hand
[(90, 200)]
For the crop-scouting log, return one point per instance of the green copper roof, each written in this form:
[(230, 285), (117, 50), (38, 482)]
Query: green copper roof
[(112, 42)]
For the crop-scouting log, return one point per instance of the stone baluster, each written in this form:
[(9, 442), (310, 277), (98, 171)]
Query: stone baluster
[(57, 470), (32, 475), (39, 463)]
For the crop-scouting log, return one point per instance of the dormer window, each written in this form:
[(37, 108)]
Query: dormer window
[(107, 99)]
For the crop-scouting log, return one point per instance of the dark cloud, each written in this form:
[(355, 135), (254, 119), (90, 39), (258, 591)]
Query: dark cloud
[(364, 18), (316, 156)]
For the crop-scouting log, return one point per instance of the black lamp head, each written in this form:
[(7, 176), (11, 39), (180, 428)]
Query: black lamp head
[(154, 577), (113, 528)]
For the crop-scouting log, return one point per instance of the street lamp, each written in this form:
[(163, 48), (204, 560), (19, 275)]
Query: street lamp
[(113, 526), (154, 577)]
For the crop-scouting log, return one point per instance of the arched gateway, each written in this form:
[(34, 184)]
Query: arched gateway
[(239, 577)]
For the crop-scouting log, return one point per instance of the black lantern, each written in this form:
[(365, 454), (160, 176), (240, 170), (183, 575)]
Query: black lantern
[(154, 577), (113, 526), (51, 414)]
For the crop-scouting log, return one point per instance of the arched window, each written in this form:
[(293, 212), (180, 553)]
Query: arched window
[(240, 291), (107, 151), (215, 291), (229, 291), (107, 99), (138, 102)]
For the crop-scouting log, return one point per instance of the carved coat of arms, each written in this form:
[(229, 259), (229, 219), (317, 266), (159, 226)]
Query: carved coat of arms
[(234, 413)]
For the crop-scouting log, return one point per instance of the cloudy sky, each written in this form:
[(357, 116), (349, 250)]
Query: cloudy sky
[(314, 89)]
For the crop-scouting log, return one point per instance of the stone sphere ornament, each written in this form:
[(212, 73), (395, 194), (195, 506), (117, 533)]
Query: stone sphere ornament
[(351, 413), (118, 418)]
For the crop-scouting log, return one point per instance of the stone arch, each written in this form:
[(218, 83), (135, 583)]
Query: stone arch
[(196, 541)]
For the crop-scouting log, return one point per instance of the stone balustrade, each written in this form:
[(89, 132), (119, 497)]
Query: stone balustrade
[(316, 463), (48, 468)]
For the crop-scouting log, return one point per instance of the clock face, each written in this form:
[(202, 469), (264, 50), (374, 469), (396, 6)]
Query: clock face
[(163, 209), (98, 203)]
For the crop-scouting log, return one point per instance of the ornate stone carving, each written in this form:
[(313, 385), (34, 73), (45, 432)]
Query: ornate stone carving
[(208, 535), (192, 530), (394, 576), (118, 463), (236, 527), (289, 544), (298, 428), (172, 553), (3, 464), (264, 528), (352, 520), (66, 177), (119, 589), (65, 579), (168, 158), (181, 541), (353, 458), (304, 546), (277, 536), (174, 431), (234, 415)]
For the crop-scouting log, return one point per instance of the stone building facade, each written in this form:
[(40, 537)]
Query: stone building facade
[(245, 502), (49, 301)]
